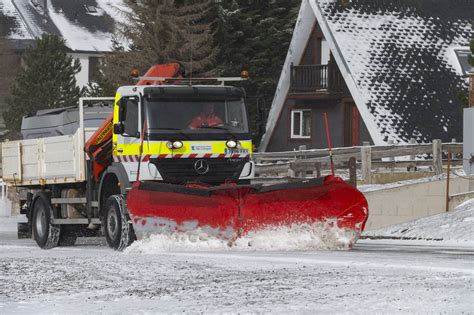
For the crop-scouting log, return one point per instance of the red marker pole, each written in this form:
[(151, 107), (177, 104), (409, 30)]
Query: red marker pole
[(329, 142), (141, 149)]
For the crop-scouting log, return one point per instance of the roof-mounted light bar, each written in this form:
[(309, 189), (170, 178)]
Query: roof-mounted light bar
[(191, 80)]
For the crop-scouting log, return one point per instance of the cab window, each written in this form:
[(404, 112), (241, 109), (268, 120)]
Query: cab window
[(131, 118)]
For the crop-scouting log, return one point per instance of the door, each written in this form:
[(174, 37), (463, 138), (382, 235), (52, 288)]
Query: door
[(325, 52), (351, 125), (128, 141)]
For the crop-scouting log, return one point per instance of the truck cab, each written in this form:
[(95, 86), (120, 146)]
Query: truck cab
[(182, 134)]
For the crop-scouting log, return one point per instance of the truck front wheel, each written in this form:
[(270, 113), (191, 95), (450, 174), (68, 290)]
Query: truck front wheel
[(45, 234), (118, 232)]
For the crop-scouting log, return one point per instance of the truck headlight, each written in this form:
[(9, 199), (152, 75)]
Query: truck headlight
[(174, 145), (231, 144)]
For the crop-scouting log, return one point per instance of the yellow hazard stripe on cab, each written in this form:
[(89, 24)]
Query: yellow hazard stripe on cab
[(189, 147)]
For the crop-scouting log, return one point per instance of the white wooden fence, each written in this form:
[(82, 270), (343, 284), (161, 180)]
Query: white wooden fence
[(365, 158)]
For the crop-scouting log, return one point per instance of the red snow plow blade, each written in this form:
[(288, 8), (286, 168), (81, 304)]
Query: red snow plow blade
[(229, 212)]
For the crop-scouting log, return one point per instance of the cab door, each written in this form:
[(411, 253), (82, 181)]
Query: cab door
[(127, 129)]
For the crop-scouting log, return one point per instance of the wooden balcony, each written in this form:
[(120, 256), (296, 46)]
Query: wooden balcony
[(316, 80)]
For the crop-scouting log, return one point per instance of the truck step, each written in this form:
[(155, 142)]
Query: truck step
[(83, 200), (75, 221)]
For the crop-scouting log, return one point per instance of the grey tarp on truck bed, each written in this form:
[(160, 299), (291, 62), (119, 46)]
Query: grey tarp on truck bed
[(62, 121)]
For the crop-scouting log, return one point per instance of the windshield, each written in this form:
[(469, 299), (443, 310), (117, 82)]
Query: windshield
[(196, 117)]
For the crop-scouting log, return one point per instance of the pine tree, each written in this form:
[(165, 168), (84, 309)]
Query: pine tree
[(9, 66), (256, 35), (47, 80), (162, 31), (223, 36)]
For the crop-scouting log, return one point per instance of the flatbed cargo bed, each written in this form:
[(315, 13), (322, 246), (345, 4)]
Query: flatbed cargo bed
[(48, 160)]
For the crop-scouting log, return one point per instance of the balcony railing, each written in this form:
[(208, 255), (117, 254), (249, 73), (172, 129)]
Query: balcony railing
[(315, 78)]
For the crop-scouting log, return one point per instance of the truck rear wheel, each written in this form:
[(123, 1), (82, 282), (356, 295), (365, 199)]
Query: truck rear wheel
[(45, 234), (118, 232)]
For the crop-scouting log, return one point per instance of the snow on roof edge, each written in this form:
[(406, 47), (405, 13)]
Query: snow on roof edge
[(80, 39), (302, 32), (367, 117), (307, 7), (24, 32)]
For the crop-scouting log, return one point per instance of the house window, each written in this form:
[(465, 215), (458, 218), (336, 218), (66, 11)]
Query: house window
[(90, 9), (463, 58), (131, 118), (325, 52), (301, 124)]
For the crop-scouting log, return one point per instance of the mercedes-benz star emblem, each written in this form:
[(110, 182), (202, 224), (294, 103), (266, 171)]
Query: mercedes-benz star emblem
[(201, 167)]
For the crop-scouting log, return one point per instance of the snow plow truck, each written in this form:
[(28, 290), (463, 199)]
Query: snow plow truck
[(171, 155)]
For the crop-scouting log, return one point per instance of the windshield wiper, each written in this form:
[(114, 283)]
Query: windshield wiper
[(165, 128), (180, 131), (213, 127), (219, 128)]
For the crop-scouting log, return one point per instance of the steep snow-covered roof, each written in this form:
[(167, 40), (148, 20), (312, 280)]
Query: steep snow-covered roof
[(398, 60), (11, 23), (84, 30), (85, 25)]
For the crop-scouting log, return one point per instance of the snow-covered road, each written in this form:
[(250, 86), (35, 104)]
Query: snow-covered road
[(374, 276)]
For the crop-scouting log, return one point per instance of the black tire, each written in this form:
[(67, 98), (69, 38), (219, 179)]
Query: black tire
[(45, 234), (68, 236), (118, 232)]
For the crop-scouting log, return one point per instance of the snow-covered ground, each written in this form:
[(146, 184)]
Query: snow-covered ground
[(373, 277), (279, 273), (455, 227)]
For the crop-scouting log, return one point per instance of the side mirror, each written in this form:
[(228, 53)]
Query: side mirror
[(119, 129), (122, 104)]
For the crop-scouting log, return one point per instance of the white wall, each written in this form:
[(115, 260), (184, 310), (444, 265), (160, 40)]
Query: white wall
[(82, 77), (410, 202), (468, 136)]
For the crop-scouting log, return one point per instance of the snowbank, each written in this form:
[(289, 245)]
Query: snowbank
[(453, 227)]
